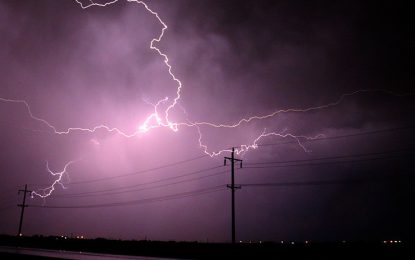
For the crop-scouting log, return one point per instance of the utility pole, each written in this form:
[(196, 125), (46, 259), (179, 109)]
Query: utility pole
[(233, 187), (23, 205)]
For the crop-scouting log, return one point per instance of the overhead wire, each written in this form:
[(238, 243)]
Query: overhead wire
[(257, 165), (324, 182), (140, 172), (343, 136), (146, 183), (327, 163), (141, 201), (334, 157), (136, 190)]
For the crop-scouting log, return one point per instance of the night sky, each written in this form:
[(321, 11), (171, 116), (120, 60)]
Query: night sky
[(347, 176)]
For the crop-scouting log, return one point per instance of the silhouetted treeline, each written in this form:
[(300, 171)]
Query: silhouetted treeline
[(196, 250)]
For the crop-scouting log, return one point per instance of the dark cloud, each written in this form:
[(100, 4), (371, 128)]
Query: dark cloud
[(236, 59)]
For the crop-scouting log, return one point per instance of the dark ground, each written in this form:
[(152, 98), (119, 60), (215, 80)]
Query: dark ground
[(195, 250), (13, 256)]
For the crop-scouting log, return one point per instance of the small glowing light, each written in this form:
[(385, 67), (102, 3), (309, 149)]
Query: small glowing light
[(240, 241), (282, 241), (82, 237), (306, 242), (292, 243)]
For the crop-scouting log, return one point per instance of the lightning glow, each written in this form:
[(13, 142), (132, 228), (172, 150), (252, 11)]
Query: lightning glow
[(161, 117), (160, 121)]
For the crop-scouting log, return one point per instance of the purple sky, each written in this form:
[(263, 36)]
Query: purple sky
[(236, 59)]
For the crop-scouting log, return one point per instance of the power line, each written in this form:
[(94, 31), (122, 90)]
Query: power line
[(343, 136), (145, 183), (321, 182), (109, 192), (203, 156), (140, 172), (136, 190), (333, 157), (130, 188), (134, 202), (326, 163)]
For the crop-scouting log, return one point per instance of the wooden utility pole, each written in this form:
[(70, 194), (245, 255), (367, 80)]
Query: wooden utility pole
[(233, 187), (23, 205)]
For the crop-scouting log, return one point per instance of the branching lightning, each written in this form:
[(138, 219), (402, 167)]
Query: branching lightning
[(46, 192), (161, 118), (160, 121)]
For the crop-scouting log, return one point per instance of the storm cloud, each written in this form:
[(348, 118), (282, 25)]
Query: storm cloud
[(236, 59)]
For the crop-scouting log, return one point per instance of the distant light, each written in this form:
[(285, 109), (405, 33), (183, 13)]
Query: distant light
[(82, 237), (344, 241), (282, 242), (292, 243), (260, 241), (306, 241), (240, 241)]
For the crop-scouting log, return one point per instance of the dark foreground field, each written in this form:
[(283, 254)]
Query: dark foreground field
[(194, 250)]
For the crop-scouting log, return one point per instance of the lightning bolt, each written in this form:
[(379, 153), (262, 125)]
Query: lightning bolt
[(160, 121), (246, 147), (46, 192), (254, 145), (161, 118)]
